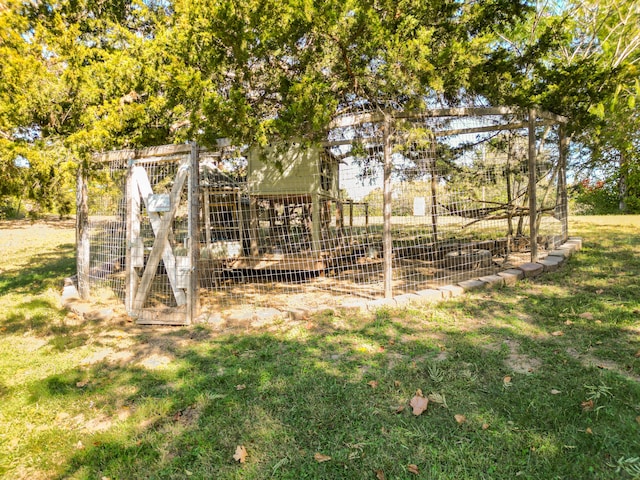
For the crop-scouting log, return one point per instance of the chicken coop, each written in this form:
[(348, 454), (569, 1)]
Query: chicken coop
[(391, 202)]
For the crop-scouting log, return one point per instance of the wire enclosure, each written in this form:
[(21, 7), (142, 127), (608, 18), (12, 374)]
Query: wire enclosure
[(390, 203)]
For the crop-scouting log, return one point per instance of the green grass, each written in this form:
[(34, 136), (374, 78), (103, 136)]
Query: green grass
[(95, 399)]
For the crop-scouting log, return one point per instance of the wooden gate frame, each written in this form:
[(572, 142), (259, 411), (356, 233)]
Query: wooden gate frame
[(181, 270)]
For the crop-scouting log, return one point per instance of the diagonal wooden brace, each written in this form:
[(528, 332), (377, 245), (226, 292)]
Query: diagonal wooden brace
[(142, 181), (161, 247)]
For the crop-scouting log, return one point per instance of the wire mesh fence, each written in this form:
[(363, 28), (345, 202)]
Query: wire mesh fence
[(389, 204), (106, 228)]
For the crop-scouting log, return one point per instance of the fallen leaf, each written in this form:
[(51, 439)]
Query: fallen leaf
[(400, 409), (241, 454), (587, 406), (586, 315), (460, 418), (588, 431), (568, 322), (555, 392), (485, 426), (381, 348), (557, 333), (396, 383), (80, 445), (637, 354), (318, 457), (241, 387), (413, 469), (598, 322), (373, 384), (83, 383), (506, 379), (392, 341), (419, 403), (380, 475)]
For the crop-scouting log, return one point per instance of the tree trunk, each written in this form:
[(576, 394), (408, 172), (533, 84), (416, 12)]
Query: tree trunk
[(622, 184)]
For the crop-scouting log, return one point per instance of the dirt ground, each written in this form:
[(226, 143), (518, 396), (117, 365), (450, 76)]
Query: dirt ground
[(238, 306)]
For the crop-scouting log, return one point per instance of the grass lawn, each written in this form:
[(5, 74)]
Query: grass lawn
[(536, 381)]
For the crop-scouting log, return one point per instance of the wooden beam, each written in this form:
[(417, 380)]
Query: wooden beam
[(133, 240), (160, 244), (552, 117), (241, 232), (460, 112), (193, 295), (113, 156), (156, 153), (533, 230), (562, 181), (369, 117), (207, 217), (316, 223), (254, 227), (446, 133), (83, 244), (387, 241)]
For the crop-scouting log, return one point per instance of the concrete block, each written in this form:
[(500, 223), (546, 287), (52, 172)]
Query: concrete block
[(357, 305), (469, 285), (382, 303), (531, 269), (577, 241), (551, 264), (572, 247), (69, 293), (450, 291), (265, 316), (493, 280), (561, 252), (406, 299), (213, 319), (511, 276), (242, 317), (429, 295)]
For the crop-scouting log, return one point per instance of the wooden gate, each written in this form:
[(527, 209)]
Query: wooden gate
[(162, 235)]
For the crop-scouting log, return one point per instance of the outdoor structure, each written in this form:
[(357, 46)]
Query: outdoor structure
[(392, 202)]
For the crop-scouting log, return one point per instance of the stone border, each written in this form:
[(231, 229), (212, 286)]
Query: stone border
[(554, 260), (86, 310), (264, 316)]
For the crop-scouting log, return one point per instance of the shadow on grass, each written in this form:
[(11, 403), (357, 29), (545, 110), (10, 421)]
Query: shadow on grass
[(33, 315), (286, 399), (45, 270), (286, 396)]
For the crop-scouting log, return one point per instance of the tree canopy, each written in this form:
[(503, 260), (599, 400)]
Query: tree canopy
[(78, 76)]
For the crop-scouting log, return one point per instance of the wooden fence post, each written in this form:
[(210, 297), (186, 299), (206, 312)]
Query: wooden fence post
[(387, 241), (82, 232), (562, 180), (533, 207), (193, 294)]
